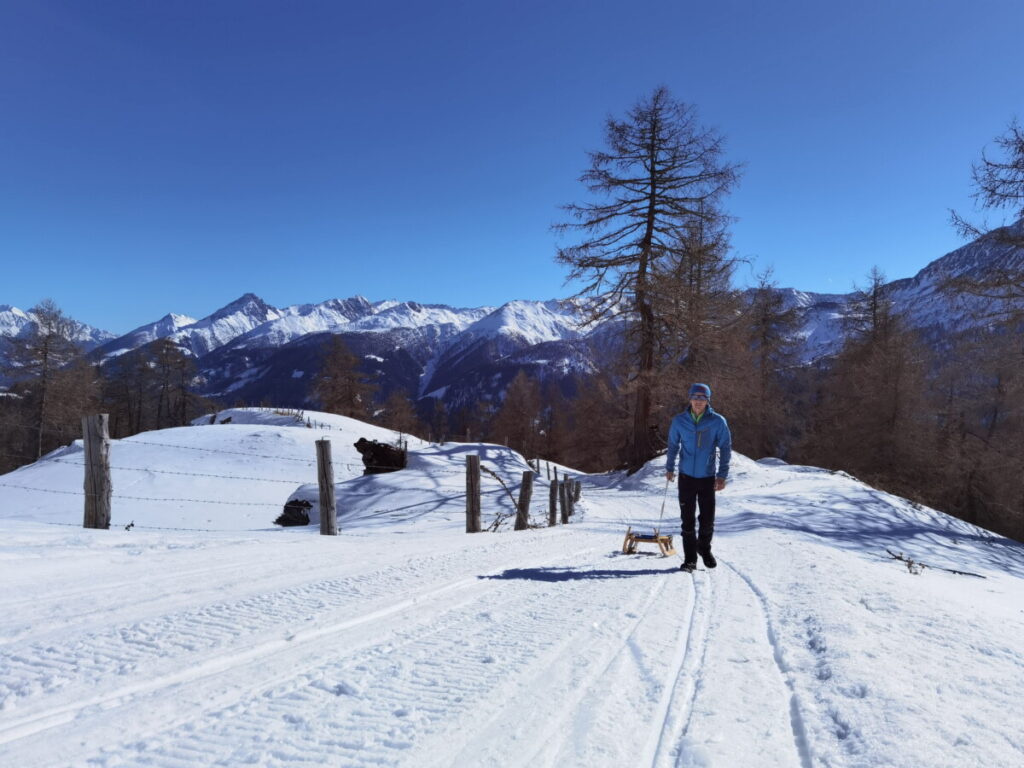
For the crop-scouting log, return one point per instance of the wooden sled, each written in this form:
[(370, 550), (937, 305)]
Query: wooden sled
[(633, 539)]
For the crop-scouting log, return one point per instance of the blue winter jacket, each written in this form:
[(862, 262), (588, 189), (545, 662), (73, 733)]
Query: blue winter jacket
[(698, 442)]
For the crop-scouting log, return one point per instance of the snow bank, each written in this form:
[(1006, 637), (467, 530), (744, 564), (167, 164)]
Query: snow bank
[(205, 635)]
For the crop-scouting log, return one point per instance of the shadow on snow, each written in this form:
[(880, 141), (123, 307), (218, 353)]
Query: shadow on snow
[(877, 523), (575, 574)]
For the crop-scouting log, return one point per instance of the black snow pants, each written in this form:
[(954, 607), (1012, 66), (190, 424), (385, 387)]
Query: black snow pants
[(694, 492)]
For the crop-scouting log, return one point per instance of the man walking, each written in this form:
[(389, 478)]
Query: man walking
[(694, 435)]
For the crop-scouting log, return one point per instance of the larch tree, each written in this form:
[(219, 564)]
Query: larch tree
[(998, 181), (771, 342), (439, 421), (866, 418), (993, 430), (661, 171), (697, 310), (173, 370), (341, 386), (399, 413), (38, 359), (517, 422)]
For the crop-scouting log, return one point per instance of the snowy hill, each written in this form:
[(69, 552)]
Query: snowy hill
[(204, 635)]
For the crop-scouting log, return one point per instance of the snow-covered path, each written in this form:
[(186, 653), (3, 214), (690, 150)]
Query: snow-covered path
[(531, 650), (407, 642)]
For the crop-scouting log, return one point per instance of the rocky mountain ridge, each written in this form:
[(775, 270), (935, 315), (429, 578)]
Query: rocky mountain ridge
[(249, 351)]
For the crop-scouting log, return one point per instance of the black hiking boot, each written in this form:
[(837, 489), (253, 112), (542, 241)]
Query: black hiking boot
[(689, 566), (709, 559)]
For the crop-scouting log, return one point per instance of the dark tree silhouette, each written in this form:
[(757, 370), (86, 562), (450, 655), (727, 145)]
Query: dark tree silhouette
[(662, 172)]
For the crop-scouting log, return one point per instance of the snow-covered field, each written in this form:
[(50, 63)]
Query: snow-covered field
[(203, 635)]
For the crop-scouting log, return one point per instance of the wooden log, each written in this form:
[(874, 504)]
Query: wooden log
[(523, 507), (325, 477), (98, 487), (553, 504), (563, 500), (473, 493)]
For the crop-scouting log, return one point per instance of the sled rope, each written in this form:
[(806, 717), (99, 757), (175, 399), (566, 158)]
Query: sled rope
[(663, 500)]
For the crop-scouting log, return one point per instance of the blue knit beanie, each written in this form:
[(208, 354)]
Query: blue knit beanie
[(701, 389)]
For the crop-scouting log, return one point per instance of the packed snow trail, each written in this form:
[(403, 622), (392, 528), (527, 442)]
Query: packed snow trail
[(412, 667), (406, 642)]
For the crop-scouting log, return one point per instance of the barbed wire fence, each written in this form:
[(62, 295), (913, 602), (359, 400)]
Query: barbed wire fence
[(95, 464)]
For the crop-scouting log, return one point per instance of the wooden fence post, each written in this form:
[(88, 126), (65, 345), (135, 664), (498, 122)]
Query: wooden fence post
[(553, 504), (563, 500), (98, 488), (523, 508), (473, 493), (325, 476), (577, 491)]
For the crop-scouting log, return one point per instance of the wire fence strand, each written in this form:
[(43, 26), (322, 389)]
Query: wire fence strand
[(194, 474)]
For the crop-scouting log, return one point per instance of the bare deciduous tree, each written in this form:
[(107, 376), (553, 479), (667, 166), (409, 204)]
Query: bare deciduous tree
[(399, 413), (342, 387), (998, 181), (771, 342), (661, 172), (518, 418), (38, 358)]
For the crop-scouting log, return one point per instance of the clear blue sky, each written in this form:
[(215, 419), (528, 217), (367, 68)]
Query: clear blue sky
[(170, 156)]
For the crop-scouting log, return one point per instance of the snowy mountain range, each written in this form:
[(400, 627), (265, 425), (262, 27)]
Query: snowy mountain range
[(15, 322), (250, 351)]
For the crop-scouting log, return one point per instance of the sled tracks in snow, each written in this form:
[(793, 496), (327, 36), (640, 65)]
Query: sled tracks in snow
[(675, 707), (800, 739), (689, 725)]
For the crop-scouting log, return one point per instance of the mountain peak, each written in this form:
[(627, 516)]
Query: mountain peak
[(249, 303)]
